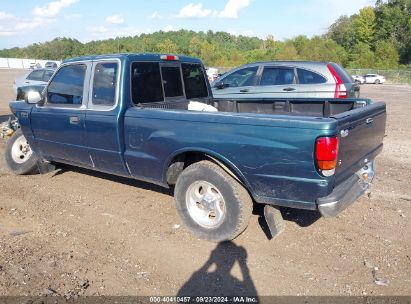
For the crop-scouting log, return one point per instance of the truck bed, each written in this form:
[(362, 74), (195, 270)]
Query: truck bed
[(300, 107)]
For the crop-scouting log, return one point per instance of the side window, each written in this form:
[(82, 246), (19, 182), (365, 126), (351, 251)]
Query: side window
[(240, 78), (194, 81), (36, 75), (67, 85), (277, 76), (308, 77), (104, 84), (146, 82), (47, 75), (173, 86)]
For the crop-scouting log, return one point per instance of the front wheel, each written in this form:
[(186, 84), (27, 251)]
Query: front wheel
[(377, 81), (211, 203), (20, 159)]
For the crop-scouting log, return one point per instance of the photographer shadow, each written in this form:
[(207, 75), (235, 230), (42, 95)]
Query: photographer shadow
[(214, 278)]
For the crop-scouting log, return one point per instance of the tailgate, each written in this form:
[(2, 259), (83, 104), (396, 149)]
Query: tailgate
[(361, 135)]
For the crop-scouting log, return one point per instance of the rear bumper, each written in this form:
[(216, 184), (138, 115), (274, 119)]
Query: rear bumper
[(345, 194)]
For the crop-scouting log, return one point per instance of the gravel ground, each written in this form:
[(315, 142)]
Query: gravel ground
[(74, 232)]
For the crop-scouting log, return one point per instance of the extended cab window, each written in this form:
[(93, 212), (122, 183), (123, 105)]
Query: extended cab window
[(277, 76), (194, 81), (36, 75), (308, 77), (104, 84), (67, 85), (146, 82)]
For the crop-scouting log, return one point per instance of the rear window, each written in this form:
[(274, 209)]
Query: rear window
[(36, 75), (172, 81), (47, 75), (346, 78), (146, 82), (194, 81), (154, 82), (308, 77)]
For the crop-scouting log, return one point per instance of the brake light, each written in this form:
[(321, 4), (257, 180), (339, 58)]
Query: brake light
[(169, 57), (326, 153), (340, 90)]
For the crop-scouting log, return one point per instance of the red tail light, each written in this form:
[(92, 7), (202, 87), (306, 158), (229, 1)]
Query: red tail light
[(340, 90), (326, 153)]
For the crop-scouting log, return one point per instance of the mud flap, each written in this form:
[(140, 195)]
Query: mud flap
[(274, 220)]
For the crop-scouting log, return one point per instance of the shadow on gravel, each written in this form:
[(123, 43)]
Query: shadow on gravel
[(61, 169), (4, 118), (215, 278)]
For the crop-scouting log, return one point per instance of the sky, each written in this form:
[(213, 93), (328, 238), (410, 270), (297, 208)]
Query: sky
[(25, 22)]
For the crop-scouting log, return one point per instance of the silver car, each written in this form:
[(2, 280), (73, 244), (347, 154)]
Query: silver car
[(35, 77), (286, 79)]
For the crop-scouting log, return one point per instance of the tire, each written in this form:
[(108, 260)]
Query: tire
[(377, 81), (214, 213), (20, 159)]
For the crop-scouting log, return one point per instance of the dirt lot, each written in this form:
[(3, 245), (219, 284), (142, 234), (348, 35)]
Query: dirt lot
[(76, 232)]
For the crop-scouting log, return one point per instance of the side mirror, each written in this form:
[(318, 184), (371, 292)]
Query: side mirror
[(220, 85), (33, 97)]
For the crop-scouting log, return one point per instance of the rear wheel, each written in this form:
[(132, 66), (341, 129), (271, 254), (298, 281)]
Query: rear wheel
[(20, 159), (211, 203), (377, 81)]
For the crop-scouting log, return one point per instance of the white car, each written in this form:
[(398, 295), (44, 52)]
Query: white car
[(374, 78), (358, 79)]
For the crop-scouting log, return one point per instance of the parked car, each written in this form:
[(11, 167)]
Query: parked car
[(34, 66), (289, 79), (38, 77), (130, 115), (374, 78), (212, 74), (50, 65), (359, 79)]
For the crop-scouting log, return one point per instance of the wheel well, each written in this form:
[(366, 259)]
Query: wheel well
[(182, 161)]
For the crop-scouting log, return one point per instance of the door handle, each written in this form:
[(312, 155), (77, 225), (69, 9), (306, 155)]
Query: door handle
[(27, 81), (289, 89), (74, 120), (243, 91)]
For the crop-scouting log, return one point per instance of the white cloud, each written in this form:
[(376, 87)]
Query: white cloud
[(74, 16), (115, 19), (23, 26), (156, 15), (169, 28), (98, 30), (194, 11), (6, 16), (232, 8), (52, 8)]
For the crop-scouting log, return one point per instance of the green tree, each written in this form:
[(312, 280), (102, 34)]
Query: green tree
[(364, 25), (386, 55), (167, 46), (362, 56)]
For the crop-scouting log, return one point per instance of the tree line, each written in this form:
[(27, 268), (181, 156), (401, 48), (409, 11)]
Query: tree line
[(376, 37)]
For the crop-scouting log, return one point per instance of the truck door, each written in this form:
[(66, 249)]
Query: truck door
[(59, 123), (103, 119)]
